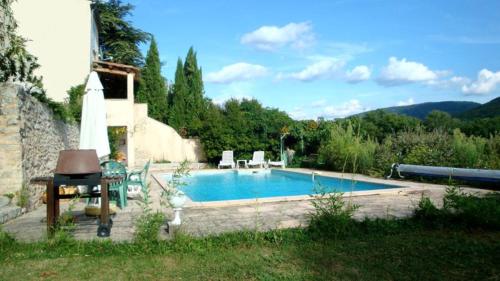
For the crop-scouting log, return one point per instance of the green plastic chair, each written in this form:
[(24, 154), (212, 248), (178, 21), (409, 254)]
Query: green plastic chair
[(113, 168), (139, 177)]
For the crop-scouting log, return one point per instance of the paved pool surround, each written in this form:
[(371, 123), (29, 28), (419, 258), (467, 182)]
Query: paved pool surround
[(220, 217)]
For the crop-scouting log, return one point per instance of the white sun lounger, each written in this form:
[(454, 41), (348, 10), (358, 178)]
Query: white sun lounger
[(227, 160), (280, 164), (257, 160)]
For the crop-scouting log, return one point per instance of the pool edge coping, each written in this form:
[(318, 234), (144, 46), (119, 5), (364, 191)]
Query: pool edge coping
[(401, 187)]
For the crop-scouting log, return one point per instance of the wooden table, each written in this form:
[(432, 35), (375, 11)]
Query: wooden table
[(53, 197)]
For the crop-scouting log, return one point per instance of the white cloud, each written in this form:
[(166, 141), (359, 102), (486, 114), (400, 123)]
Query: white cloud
[(238, 90), (402, 71), (486, 83), (451, 83), (236, 72), (220, 100), (459, 80), (268, 38), (318, 103), (324, 68), (358, 74), (410, 101), (298, 113), (347, 50), (348, 108)]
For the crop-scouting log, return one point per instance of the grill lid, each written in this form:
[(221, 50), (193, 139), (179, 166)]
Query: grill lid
[(83, 161)]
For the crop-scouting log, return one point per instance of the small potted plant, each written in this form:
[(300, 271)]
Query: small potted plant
[(175, 197)]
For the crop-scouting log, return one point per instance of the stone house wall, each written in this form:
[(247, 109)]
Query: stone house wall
[(30, 141)]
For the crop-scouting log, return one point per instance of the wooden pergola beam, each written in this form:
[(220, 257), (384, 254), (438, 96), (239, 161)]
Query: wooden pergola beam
[(111, 71), (116, 69)]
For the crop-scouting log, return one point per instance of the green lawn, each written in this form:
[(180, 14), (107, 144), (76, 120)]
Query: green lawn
[(458, 242), (401, 254)]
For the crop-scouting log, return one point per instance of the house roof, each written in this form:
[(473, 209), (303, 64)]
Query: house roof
[(115, 68)]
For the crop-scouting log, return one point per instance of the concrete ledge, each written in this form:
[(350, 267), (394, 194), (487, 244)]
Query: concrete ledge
[(8, 213), (400, 188), (175, 165)]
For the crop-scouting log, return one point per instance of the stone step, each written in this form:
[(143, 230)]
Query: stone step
[(9, 212), (4, 201)]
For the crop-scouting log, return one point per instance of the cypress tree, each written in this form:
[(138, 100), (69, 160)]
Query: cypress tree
[(152, 89), (194, 84), (179, 111)]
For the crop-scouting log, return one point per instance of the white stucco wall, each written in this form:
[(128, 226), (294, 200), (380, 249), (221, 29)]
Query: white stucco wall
[(148, 139), (157, 141), (59, 34)]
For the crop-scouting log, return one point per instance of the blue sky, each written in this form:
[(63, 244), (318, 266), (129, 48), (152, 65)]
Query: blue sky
[(332, 58)]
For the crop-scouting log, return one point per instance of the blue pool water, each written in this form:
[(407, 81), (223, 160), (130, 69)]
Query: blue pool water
[(231, 185)]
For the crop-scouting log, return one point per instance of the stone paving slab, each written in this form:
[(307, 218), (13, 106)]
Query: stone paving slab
[(202, 221)]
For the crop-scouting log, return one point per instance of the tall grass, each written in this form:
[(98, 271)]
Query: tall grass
[(345, 149)]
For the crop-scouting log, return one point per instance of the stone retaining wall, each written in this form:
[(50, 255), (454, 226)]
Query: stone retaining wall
[(30, 141)]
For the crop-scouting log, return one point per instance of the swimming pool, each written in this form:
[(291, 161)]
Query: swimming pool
[(205, 186)]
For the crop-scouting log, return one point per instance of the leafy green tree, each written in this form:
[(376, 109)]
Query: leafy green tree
[(379, 124), (118, 39), (484, 127), (440, 120), (178, 117), (17, 64), (215, 135), (152, 88)]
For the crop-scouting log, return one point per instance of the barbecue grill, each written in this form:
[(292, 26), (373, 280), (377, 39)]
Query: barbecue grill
[(78, 167)]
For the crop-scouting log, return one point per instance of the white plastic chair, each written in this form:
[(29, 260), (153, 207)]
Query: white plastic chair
[(227, 160)]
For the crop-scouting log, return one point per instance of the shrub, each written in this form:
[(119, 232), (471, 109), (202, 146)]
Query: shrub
[(492, 152), (332, 217), (385, 156), (115, 134), (424, 148), (473, 211), (75, 101), (23, 196), (461, 210), (148, 224), (468, 152), (59, 109), (427, 212)]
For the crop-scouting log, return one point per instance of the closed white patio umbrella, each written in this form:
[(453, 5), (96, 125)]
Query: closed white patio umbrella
[(93, 129)]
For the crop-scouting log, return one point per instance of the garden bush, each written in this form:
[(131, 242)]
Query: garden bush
[(461, 210), (468, 152), (333, 215)]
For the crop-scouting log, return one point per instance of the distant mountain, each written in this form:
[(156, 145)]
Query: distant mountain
[(489, 109), (421, 110)]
